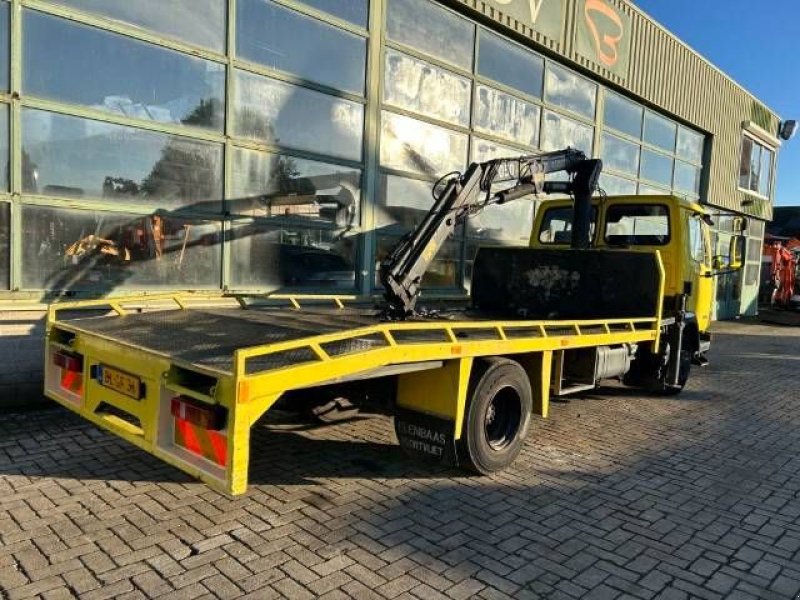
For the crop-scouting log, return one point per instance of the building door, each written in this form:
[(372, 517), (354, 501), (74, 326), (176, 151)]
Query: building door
[(728, 284)]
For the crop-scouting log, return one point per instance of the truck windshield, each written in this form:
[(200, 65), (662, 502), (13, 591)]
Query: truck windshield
[(557, 225), (637, 225)]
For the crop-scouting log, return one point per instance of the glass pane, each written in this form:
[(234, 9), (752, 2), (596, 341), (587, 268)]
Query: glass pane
[(510, 64), (507, 117), (423, 88), (120, 75), (5, 245), (649, 190), (412, 145), (755, 167), (559, 132), (659, 131), (444, 270), (4, 143), (270, 111), (288, 188), (556, 227), (510, 223), (690, 145), (617, 186), (619, 155), (269, 257), (645, 225), (656, 167), (744, 164), (403, 203), (78, 250), (568, 90), (623, 115), (766, 172), (200, 22), (354, 11), (278, 38), (5, 45), (70, 156), (428, 28), (687, 178)]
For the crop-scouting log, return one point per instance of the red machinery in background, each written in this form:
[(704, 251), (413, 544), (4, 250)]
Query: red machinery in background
[(779, 265)]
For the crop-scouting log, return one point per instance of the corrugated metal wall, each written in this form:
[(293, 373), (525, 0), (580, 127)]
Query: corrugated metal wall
[(668, 75)]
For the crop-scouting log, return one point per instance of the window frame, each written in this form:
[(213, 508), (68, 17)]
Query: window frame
[(762, 146), (639, 206)]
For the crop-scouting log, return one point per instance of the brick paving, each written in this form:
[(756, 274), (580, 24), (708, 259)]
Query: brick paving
[(616, 496)]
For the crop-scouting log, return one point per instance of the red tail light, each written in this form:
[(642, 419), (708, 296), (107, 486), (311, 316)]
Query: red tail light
[(69, 362), (198, 414)]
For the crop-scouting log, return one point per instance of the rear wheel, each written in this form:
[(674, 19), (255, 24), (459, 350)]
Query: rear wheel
[(498, 415)]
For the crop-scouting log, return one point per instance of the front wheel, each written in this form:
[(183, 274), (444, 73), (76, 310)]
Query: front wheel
[(498, 416)]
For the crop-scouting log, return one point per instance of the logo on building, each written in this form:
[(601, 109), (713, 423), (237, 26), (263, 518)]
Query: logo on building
[(543, 16), (603, 35)]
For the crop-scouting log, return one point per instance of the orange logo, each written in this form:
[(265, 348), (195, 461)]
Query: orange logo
[(605, 43)]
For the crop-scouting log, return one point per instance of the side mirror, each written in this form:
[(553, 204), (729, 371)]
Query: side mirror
[(736, 252)]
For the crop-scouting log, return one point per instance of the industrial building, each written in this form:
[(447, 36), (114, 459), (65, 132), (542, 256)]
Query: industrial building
[(264, 145)]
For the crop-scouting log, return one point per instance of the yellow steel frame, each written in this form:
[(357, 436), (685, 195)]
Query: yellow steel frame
[(248, 395)]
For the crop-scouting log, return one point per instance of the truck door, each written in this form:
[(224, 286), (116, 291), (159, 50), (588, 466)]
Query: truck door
[(700, 269)]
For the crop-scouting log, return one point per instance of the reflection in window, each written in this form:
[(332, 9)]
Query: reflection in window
[(5, 245), (659, 131), (649, 190), (568, 90), (510, 64), (755, 170), (85, 65), (559, 132), (71, 156), (288, 188), (403, 203), (428, 28), (354, 11), (690, 145), (623, 115), (637, 225), (5, 45), (510, 223), (413, 145), (444, 271), (687, 178), (656, 167), (268, 257), (617, 186), (620, 155), (78, 250), (270, 111), (278, 38), (4, 142), (507, 117), (200, 22), (423, 88)]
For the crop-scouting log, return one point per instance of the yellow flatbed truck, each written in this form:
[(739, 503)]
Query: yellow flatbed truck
[(185, 377)]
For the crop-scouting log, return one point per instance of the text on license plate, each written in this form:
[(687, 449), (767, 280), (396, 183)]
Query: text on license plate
[(121, 382)]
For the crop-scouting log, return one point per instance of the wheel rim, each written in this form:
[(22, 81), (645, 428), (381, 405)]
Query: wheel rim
[(503, 417)]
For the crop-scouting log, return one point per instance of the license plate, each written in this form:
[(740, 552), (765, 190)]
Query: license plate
[(119, 381)]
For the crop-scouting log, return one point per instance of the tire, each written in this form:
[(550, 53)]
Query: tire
[(498, 415)]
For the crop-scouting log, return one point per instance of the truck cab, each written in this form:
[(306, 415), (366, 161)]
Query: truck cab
[(678, 229)]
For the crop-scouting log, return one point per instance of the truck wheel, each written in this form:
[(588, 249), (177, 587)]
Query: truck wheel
[(498, 415)]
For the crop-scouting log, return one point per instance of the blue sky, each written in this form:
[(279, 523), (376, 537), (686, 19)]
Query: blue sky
[(757, 43)]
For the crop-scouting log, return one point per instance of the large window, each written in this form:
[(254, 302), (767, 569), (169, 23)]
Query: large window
[(755, 168), (4, 142), (280, 38), (645, 151), (84, 66), (509, 64), (5, 45), (637, 225)]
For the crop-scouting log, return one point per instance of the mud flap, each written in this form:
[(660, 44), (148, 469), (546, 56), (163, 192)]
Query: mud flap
[(426, 437)]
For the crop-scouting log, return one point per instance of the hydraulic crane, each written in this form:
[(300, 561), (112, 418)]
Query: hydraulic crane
[(465, 194)]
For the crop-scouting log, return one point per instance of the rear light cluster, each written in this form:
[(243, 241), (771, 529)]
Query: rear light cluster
[(198, 414), (69, 362), (70, 378)]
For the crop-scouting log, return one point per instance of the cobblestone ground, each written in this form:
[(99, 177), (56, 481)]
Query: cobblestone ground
[(616, 496)]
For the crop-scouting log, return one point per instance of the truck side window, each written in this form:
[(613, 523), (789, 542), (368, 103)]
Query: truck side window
[(697, 241), (557, 225), (637, 225)]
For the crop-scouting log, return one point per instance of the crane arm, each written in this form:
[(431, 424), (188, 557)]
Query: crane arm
[(466, 193)]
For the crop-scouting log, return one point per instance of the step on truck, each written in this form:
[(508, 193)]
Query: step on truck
[(610, 288)]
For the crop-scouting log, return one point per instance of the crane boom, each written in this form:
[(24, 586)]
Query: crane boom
[(465, 193)]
